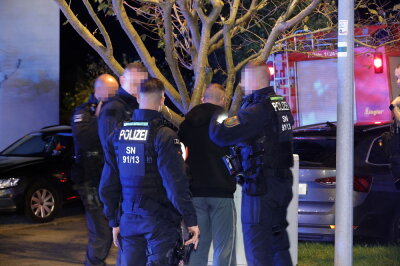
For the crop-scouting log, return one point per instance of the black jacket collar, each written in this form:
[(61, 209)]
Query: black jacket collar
[(146, 115), (259, 93), (129, 99)]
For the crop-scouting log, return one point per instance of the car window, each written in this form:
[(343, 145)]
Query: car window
[(377, 154), (38, 144), (316, 151)]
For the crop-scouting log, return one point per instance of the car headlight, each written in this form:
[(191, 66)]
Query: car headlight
[(8, 182)]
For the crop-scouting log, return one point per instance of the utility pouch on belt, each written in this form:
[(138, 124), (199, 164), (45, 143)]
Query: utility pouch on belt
[(255, 184), (181, 253)]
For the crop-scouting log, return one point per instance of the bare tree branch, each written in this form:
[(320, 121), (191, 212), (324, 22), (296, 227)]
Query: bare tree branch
[(144, 54), (282, 25), (171, 116), (100, 25), (217, 40), (289, 11), (192, 23), (237, 100), (151, 1), (217, 37), (202, 61), (89, 38), (198, 6), (376, 46), (230, 67), (245, 61), (171, 55)]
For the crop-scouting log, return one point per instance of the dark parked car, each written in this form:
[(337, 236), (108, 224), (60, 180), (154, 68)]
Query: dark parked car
[(375, 197), (34, 173)]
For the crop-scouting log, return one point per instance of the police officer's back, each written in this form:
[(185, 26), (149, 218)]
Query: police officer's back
[(147, 172), (87, 168), (262, 131)]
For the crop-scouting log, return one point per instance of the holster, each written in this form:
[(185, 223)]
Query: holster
[(254, 178), (89, 196)]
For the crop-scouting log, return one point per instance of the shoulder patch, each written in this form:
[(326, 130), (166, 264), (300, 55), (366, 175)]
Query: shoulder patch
[(232, 121), (78, 118)]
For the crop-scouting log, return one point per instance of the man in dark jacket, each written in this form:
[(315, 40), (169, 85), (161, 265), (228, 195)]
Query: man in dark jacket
[(87, 168), (121, 106), (211, 185), (147, 172)]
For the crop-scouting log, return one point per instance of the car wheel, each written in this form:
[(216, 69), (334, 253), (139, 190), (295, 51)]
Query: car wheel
[(395, 234), (41, 202)]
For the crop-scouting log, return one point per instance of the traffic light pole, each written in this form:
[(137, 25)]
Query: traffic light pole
[(345, 136)]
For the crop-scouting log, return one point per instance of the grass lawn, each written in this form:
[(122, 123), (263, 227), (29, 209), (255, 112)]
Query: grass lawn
[(363, 254)]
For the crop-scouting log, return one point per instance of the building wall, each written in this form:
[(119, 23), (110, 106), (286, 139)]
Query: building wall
[(29, 67)]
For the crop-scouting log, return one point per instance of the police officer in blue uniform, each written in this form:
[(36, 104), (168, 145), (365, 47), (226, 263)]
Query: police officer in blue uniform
[(87, 168), (147, 173), (120, 107), (262, 133)]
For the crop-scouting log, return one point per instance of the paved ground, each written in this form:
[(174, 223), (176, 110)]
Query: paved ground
[(61, 242)]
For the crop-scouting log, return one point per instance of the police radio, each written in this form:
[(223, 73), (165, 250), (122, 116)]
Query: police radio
[(234, 164)]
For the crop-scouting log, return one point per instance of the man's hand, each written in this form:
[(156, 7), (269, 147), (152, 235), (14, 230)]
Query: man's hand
[(195, 238), (98, 108), (115, 232)]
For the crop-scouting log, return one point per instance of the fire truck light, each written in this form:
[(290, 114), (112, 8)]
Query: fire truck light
[(271, 70), (378, 63)]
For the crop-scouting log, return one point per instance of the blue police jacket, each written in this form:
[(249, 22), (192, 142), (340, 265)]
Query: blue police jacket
[(170, 167), (259, 117), (247, 124), (116, 110), (88, 150)]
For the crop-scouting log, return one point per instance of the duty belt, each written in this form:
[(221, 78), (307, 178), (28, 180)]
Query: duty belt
[(92, 154), (149, 205), (87, 154)]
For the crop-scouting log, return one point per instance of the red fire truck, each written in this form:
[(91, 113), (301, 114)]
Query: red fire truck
[(305, 72)]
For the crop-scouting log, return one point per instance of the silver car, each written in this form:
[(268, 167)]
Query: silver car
[(375, 197)]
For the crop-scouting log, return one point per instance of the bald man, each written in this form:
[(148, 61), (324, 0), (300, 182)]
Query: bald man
[(88, 165), (211, 185), (262, 131)]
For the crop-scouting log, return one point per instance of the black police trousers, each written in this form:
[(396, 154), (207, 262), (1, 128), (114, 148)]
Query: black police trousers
[(264, 224), (99, 233), (146, 238)]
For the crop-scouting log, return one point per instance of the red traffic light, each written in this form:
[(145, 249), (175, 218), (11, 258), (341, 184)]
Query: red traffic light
[(378, 63)]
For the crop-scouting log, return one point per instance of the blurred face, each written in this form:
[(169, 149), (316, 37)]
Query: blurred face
[(397, 76), (105, 88), (131, 80), (249, 81), (254, 78)]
